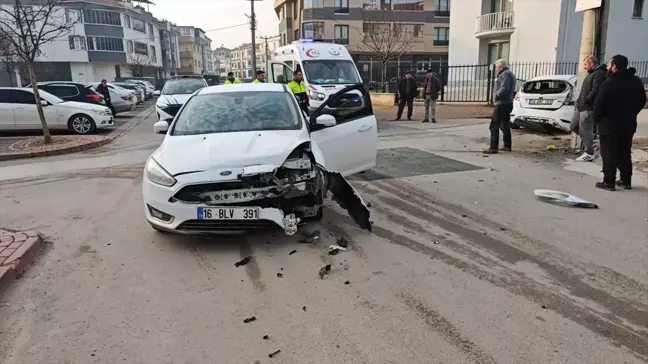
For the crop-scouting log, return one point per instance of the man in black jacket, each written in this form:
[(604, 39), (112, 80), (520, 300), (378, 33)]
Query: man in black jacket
[(407, 91), (616, 107), (103, 89), (582, 123)]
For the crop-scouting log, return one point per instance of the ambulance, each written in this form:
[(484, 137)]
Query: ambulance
[(327, 68)]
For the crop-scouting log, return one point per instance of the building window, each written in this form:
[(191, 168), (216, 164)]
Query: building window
[(153, 55), (102, 17), (441, 37), (141, 48), (341, 6), (138, 25), (637, 12), (77, 42), (407, 5), (376, 4), (341, 33), (73, 16), (408, 31), (127, 22), (375, 29), (314, 30), (106, 44), (442, 8), (129, 46), (151, 32), (311, 4)]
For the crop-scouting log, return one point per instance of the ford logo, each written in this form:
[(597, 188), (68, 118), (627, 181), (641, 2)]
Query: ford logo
[(226, 173)]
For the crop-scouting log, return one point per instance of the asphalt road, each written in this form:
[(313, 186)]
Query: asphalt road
[(464, 265)]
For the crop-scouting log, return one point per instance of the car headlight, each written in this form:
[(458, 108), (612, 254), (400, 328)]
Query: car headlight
[(317, 96), (100, 112), (156, 174)]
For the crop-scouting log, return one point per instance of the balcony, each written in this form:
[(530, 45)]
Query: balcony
[(186, 54), (495, 24), (441, 42)]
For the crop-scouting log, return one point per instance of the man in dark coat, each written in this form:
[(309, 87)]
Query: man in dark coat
[(582, 122), (503, 100), (431, 89), (407, 91), (103, 89), (621, 98)]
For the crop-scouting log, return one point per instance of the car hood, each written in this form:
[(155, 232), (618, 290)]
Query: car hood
[(193, 153), (173, 99), (81, 105)]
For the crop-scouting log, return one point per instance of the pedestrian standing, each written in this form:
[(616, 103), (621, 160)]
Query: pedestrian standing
[(231, 80), (431, 87), (103, 89), (582, 122), (407, 91), (619, 101), (260, 77), (503, 101), (298, 88)]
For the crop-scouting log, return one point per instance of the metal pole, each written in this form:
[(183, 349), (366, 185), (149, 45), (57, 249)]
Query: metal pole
[(252, 31), (588, 41)]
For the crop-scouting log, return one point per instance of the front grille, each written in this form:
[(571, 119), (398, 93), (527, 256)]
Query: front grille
[(191, 193), (225, 225), (172, 109)]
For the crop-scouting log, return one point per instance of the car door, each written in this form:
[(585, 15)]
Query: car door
[(26, 113), (6, 110), (279, 72), (348, 147)]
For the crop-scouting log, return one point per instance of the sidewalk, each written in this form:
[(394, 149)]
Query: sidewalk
[(443, 111), (17, 251)]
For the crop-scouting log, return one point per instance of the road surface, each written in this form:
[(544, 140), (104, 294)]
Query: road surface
[(464, 265)]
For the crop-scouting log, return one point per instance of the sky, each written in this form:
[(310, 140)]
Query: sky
[(217, 14)]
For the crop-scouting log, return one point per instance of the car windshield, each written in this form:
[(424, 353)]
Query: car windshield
[(330, 72), (545, 87), (235, 112), (183, 86)]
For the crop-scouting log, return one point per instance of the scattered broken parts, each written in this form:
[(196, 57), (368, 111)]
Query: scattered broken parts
[(292, 252), (266, 337), (249, 319), (279, 275), (309, 238), (342, 242), (272, 355), (324, 271), (243, 261)]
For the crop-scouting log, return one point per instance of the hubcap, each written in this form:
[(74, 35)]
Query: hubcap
[(81, 125)]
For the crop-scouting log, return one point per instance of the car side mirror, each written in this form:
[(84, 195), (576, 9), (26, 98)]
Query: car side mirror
[(156, 93), (161, 127), (44, 103), (325, 120)]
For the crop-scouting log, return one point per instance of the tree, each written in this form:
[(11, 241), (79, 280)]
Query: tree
[(27, 26), (386, 40), (138, 63), (9, 60)]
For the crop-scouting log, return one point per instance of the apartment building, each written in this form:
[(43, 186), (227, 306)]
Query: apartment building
[(423, 24), (221, 58), (542, 30), (267, 46), (241, 61), (170, 47), (195, 51)]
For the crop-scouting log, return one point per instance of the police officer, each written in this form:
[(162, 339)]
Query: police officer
[(298, 87), (260, 77), (231, 80)]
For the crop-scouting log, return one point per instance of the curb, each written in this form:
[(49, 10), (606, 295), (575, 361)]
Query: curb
[(20, 258), (80, 148)]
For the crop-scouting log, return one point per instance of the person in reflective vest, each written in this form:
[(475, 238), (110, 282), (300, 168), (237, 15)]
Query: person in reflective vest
[(260, 77), (298, 88), (231, 80)]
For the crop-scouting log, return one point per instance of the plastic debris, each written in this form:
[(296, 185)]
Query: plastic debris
[(292, 252), (266, 337), (243, 261), (272, 355), (249, 319), (279, 275), (324, 271), (304, 308), (551, 147), (347, 282), (334, 249), (563, 198), (342, 242), (310, 238)]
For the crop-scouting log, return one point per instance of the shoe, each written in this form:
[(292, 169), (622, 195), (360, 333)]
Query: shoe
[(397, 119), (410, 119), (505, 149), (624, 185), (490, 151), (585, 157), (604, 186), (425, 121), (434, 120)]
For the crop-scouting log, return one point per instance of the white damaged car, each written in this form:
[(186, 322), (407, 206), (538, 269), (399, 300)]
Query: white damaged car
[(245, 156)]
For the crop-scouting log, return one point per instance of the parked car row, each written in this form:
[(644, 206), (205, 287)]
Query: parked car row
[(74, 106)]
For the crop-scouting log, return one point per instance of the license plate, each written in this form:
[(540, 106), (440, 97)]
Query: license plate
[(228, 213), (540, 102)]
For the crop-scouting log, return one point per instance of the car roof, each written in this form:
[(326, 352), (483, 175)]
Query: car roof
[(244, 87), (17, 88), (553, 78), (61, 82)]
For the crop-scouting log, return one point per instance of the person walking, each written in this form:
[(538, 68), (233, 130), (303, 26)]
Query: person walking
[(231, 80), (298, 88), (619, 101), (503, 101), (582, 122), (104, 90), (407, 91), (431, 92), (260, 77)]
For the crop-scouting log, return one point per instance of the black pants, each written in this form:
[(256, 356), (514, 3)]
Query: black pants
[(401, 105), (616, 154), (501, 120), (110, 106)]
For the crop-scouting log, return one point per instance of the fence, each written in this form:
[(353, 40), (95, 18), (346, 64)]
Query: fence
[(472, 83)]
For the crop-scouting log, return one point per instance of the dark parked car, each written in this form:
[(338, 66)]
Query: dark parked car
[(71, 91)]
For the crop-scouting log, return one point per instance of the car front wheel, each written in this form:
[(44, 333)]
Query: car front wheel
[(82, 124)]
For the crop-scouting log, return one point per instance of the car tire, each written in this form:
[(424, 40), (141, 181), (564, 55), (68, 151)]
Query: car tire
[(82, 124), (514, 125)]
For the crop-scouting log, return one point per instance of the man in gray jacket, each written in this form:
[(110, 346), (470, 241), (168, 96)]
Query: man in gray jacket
[(503, 100), (582, 122)]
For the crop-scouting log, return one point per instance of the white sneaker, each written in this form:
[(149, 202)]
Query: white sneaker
[(586, 157)]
